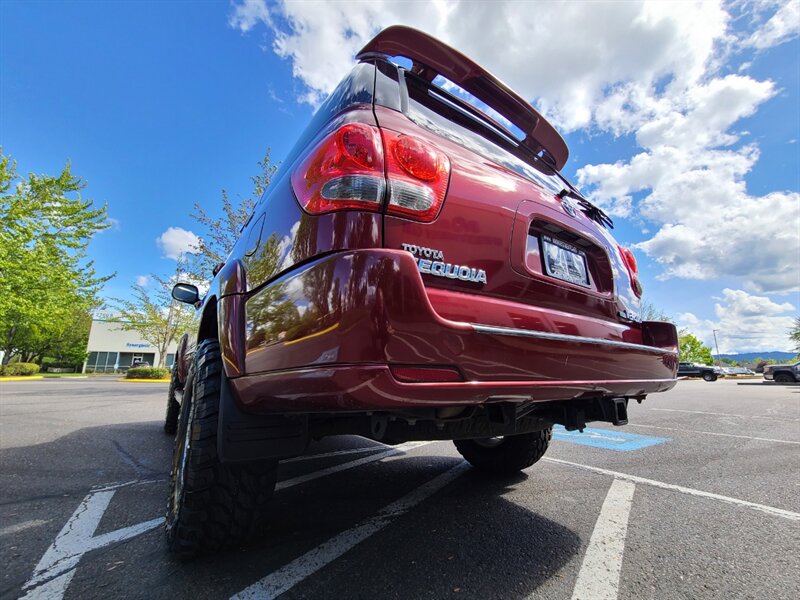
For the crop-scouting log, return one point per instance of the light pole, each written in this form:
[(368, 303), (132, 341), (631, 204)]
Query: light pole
[(716, 345)]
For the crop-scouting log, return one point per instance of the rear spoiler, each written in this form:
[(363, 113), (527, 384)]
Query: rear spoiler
[(430, 58)]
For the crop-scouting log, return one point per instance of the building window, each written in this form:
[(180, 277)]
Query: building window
[(170, 360), (101, 362)]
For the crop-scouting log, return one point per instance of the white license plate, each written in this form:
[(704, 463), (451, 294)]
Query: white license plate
[(564, 261)]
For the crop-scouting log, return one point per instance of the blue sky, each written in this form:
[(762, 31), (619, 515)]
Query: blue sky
[(160, 105)]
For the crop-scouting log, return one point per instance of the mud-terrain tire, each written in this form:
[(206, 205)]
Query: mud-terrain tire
[(211, 505), (784, 378), (507, 455), (709, 376), (173, 406)]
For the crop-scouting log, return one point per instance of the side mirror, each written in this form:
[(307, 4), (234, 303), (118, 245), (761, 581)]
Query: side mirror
[(186, 293)]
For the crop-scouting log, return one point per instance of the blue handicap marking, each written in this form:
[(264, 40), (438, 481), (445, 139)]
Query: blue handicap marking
[(610, 440)]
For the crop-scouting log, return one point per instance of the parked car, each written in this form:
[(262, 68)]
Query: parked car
[(782, 373), (737, 371), (691, 369), (415, 271), (139, 363)]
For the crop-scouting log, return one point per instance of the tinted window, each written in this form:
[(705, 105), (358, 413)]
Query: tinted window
[(431, 108)]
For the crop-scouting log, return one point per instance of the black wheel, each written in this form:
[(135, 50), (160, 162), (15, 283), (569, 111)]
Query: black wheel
[(173, 406), (211, 504), (709, 376), (505, 455), (784, 378)]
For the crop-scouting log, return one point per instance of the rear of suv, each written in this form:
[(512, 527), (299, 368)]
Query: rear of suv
[(419, 269)]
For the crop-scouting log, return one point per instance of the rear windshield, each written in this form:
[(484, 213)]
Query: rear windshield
[(440, 112)]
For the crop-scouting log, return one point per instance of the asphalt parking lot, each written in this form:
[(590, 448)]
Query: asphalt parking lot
[(697, 498)]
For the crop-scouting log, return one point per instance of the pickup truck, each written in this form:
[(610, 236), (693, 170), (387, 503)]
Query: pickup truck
[(688, 369), (418, 269), (783, 373)]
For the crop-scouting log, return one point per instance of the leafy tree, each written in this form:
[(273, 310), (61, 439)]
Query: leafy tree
[(221, 233), (692, 350), (794, 333), (154, 315), (45, 228), (62, 341)]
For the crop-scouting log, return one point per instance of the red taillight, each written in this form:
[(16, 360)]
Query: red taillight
[(418, 174), (629, 260), (416, 159), (344, 171)]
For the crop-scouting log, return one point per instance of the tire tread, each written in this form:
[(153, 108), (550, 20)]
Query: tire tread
[(517, 452), (223, 504)]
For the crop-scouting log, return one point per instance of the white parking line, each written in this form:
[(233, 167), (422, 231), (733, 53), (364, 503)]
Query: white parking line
[(55, 570), (746, 437), (401, 449), (21, 526), (285, 578), (598, 578), (306, 457), (703, 412), (57, 567), (771, 510)]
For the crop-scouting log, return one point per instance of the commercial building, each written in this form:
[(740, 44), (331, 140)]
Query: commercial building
[(112, 349)]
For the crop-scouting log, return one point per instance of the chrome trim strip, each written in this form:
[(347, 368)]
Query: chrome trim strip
[(562, 337)]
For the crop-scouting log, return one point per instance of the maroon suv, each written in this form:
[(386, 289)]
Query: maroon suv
[(418, 270)]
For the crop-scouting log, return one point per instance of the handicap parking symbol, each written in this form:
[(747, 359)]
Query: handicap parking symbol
[(610, 440)]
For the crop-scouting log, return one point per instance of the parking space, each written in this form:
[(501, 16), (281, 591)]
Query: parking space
[(697, 498)]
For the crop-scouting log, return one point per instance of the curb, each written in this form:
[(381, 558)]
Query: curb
[(21, 378), (143, 380)]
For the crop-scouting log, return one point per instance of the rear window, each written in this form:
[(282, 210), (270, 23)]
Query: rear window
[(441, 112)]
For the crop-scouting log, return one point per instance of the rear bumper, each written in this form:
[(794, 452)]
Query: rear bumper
[(324, 337)]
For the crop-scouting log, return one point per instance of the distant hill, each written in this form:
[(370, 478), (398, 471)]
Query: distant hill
[(747, 356)]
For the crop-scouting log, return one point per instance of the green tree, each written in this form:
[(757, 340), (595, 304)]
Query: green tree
[(794, 333), (153, 314), (45, 228), (62, 341), (692, 349), (218, 234)]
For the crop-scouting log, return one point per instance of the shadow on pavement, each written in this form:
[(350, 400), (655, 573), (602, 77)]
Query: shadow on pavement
[(466, 540)]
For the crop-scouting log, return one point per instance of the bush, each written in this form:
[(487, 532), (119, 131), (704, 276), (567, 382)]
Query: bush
[(147, 373), (53, 364), (20, 369)]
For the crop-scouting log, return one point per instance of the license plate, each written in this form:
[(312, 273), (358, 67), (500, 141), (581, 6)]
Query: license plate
[(564, 261)]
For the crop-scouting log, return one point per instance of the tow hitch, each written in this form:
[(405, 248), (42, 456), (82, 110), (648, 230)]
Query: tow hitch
[(615, 410)]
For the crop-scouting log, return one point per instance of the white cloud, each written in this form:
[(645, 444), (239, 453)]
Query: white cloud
[(744, 323), (781, 27), (176, 241), (642, 69), (563, 55), (248, 13), (691, 184), (142, 280)]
